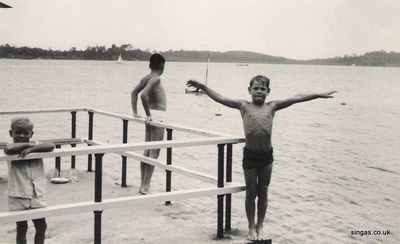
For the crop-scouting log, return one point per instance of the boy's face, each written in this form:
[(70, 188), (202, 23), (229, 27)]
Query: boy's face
[(21, 132), (258, 92)]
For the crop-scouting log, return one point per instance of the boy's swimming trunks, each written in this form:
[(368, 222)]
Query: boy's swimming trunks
[(252, 159), (158, 115)]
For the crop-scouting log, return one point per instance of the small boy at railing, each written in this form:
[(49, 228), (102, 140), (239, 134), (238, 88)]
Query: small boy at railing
[(26, 178), (258, 159)]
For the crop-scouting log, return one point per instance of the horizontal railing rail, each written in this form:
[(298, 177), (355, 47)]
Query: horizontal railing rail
[(125, 147)]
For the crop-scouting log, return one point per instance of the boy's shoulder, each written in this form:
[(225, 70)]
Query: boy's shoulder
[(150, 77)]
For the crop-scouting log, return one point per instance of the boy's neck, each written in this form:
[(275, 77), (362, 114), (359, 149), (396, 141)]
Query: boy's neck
[(155, 72)]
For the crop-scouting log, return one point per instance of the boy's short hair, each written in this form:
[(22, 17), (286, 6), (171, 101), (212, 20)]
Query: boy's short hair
[(260, 79), (21, 120), (155, 61)]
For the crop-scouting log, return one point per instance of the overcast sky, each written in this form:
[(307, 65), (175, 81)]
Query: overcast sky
[(300, 29)]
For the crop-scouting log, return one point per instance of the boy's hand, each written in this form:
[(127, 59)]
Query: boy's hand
[(194, 83), (136, 116), (327, 94), (148, 120), (25, 152)]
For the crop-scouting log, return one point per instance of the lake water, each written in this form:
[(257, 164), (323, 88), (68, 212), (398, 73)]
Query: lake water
[(336, 163)]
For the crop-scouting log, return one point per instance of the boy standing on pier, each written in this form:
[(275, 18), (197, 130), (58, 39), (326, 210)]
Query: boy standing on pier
[(257, 164), (26, 178), (154, 103)]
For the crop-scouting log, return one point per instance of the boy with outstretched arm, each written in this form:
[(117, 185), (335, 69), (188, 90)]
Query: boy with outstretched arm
[(258, 158), (154, 103), (26, 178)]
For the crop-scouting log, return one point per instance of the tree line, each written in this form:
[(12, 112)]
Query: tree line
[(90, 53), (376, 58)]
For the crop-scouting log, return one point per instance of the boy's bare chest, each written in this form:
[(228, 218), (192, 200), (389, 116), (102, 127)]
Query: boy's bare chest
[(257, 118)]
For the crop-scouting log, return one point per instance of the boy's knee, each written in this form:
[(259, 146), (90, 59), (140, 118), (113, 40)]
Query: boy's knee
[(251, 193), (22, 226), (154, 153), (40, 225)]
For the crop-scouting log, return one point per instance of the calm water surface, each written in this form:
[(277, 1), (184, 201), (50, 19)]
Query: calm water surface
[(336, 160)]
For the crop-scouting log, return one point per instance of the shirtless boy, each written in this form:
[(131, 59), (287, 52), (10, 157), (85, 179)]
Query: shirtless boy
[(154, 103), (257, 164)]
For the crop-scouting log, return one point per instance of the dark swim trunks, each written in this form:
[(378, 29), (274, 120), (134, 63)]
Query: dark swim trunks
[(253, 159)]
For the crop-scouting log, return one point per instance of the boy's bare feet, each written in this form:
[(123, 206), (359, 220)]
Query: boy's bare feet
[(260, 233), (252, 234), (144, 190)]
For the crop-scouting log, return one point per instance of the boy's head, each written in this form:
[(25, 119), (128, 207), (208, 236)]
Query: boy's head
[(259, 89), (263, 80), (157, 62), (21, 129)]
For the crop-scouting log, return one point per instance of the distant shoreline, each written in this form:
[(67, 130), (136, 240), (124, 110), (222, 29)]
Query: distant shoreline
[(375, 59)]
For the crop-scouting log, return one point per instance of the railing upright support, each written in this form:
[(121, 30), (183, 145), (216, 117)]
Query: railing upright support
[(98, 196), (169, 162), (90, 137), (124, 140), (220, 198), (228, 197), (58, 164), (73, 135)]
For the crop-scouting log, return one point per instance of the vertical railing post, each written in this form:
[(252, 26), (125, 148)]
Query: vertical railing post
[(98, 196), (73, 135), (90, 137), (169, 162), (58, 164), (228, 197), (124, 140), (220, 206)]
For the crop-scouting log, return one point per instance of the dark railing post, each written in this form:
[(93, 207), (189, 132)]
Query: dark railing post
[(169, 162), (58, 164), (73, 135), (90, 137), (220, 206), (124, 140), (98, 196), (228, 197)]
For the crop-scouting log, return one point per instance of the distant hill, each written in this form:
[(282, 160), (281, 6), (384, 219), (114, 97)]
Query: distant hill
[(376, 58), (225, 57)]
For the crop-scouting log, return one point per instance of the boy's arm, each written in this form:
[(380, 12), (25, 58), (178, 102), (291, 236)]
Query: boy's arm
[(25, 148), (215, 95), (281, 104), (17, 148), (134, 97)]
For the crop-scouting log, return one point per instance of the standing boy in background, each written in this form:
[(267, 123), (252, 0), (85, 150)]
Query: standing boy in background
[(257, 164), (26, 178), (154, 103)]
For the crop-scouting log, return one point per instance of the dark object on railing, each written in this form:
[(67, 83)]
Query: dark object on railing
[(169, 162), (220, 205), (73, 135), (90, 137), (124, 140)]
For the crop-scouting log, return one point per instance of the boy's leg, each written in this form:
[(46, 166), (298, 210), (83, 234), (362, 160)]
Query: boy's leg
[(250, 176), (264, 178), (22, 228), (146, 154), (40, 226), (156, 134)]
